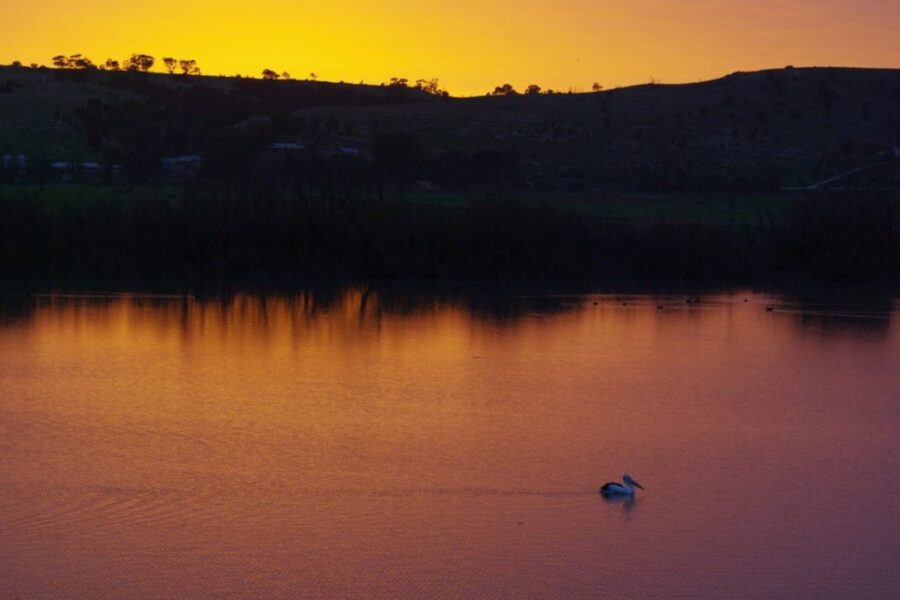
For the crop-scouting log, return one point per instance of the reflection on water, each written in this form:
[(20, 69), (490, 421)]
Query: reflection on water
[(371, 442), (627, 504), (15, 308)]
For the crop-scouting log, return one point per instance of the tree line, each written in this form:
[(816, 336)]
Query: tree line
[(429, 86), (137, 62), (533, 90), (143, 63)]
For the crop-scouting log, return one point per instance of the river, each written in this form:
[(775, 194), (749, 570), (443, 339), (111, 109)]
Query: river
[(358, 443)]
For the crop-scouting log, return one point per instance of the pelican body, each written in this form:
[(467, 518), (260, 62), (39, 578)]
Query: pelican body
[(620, 489)]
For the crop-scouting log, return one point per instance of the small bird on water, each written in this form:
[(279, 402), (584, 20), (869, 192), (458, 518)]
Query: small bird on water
[(618, 489)]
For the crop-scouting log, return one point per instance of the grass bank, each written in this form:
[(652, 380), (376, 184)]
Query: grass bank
[(207, 232)]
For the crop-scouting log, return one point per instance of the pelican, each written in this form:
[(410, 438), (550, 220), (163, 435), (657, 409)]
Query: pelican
[(618, 489)]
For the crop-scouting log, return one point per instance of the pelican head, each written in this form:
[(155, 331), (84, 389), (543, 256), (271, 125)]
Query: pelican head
[(629, 481)]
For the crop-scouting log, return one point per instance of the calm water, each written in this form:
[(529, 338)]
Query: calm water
[(366, 445)]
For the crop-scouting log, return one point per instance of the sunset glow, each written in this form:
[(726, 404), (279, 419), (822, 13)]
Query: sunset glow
[(471, 45)]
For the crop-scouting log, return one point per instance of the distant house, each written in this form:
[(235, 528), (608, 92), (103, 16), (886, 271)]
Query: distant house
[(287, 147), (349, 151), (186, 166), (184, 161), (77, 171), (15, 161)]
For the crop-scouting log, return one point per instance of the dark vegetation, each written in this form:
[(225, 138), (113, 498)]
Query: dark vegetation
[(298, 179), (253, 233)]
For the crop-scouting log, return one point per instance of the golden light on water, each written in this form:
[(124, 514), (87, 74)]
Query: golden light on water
[(471, 45)]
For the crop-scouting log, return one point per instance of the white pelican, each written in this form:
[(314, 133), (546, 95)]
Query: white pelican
[(618, 489)]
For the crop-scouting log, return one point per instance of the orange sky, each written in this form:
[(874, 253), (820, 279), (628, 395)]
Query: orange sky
[(471, 45)]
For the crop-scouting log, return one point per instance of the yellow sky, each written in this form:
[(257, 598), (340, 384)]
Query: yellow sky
[(471, 45)]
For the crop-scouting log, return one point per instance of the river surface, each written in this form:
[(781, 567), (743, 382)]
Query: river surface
[(379, 445)]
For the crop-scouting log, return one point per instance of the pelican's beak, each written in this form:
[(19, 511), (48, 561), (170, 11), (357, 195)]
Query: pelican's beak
[(636, 484)]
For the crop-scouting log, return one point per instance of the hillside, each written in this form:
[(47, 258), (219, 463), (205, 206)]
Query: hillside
[(757, 130), (91, 115), (744, 132)]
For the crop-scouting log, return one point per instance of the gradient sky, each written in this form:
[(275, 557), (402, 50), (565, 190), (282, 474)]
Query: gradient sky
[(471, 45)]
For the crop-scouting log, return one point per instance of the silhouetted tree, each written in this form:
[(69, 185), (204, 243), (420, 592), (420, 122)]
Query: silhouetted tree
[(285, 75), (431, 86), (111, 65), (17, 63), (139, 62), (74, 61), (596, 87), (399, 82), (533, 90), (171, 64), (81, 62), (504, 90), (313, 76), (269, 74), (189, 67)]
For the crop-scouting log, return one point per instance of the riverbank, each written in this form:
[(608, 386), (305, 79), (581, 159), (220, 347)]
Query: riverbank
[(218, 235)]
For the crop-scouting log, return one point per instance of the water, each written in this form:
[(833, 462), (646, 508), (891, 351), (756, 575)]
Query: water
[(379, 445)]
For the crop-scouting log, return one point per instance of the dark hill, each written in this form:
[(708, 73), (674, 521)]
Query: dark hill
[(60, 114), (747, 131)]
